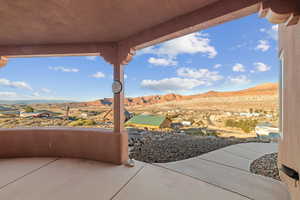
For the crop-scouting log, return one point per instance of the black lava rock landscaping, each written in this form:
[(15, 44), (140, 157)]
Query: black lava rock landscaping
[(266, 166), (159, 147)]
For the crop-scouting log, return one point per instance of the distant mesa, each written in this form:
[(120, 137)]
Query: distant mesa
[(259, 90), (263, 89)]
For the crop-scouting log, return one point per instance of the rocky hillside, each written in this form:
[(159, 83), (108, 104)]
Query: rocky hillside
[(145, 100), (260, 90), (263, 89)]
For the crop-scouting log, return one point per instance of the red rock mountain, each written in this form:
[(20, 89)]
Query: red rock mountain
[(263, 89)]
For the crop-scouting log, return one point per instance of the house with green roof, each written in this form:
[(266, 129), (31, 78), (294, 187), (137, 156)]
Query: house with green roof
[(149, 121)]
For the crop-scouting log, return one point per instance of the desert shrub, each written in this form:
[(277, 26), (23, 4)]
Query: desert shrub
[(212, 133), (82, 122), (230, 123), (28, 109), (246, 125)]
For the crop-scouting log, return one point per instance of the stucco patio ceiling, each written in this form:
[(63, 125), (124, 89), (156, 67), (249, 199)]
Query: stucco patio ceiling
[(35, 27), (76, 27), (34, 22)]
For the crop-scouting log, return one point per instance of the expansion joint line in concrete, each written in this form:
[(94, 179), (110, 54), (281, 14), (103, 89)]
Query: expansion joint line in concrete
[(127, 182), (28, 173), (249, 149), (237, 155), (198, 179), (222, 164)]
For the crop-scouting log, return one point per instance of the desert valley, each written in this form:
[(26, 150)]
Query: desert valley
[(232, 113)]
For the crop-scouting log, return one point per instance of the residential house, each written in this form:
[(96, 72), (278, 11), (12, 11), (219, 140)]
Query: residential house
[(149, 121), (37, 114), (263, 129)]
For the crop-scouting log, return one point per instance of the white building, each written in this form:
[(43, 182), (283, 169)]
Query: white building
[(186, 123), (265, 128), (269, 116), (246, 114)]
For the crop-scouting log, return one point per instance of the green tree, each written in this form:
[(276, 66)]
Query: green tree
[(246, 125), (28, 109), (82, 122)]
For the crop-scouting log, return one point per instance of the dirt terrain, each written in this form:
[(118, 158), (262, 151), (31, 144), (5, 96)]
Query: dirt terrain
[(258, 92), (210, 110)]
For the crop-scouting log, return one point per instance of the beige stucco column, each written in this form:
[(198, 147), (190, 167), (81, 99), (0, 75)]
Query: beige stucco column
[(119, 57), (118, 111), (118, 103)]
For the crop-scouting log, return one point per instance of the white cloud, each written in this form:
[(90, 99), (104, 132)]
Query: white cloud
[(272, 31), (36, 94), (92, 58), (261, 67), (189, 44), (8, 94), (188, 80), (172, 84), (216, 66), (203, 75), (262, 30), (15, 84), (238, 68), (245, 44), (98, 75), (274, 27), (64, 69), (242, 79), (162, 61), (45, 90), (22, 96), (263, 45), (147, 50)]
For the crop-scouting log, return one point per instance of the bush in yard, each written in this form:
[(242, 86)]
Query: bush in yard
[(28, 109), (82, 122), (246, 125)]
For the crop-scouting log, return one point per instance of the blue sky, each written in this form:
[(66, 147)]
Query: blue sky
[(231, 56)]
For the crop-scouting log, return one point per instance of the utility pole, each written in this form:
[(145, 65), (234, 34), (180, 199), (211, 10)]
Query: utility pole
[(67, 112)]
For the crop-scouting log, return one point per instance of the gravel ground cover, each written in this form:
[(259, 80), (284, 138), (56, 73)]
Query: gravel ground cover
[(266, 166), (160, 147)]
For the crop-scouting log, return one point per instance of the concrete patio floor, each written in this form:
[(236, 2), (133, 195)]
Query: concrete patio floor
[(221, 174)]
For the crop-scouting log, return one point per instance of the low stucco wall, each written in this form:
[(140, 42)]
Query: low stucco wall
[(94, 144)]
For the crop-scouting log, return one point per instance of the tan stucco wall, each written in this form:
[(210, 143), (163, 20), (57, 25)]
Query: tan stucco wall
[(289, 149), (94, 144)]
